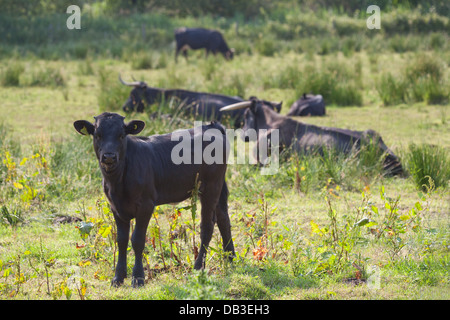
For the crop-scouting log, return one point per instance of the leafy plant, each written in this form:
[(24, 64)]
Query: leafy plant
[(201, 287), (331, 248), (26, 178), (156, 237), (390, 224), (336, 241), (98, 235), (334, 165)]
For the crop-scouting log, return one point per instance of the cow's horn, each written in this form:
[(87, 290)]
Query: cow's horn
[(131, 84), (235, 106)]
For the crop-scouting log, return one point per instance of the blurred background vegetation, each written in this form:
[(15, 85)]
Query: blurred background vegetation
[(230, 8), (117, 27)]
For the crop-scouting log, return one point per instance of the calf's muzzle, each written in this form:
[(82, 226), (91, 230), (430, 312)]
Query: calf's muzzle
[(109, 158), (108, 161)]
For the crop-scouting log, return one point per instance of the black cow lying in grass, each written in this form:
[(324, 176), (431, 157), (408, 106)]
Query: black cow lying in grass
[(139, 173), (308, 105), (307, 138), (200, 104)]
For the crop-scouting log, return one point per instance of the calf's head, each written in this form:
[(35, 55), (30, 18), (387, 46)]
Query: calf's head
[(109, 133)]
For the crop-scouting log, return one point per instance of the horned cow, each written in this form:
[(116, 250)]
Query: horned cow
[(306, 138), (201, 104)]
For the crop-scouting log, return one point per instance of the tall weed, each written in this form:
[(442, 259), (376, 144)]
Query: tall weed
[(10, 77), (86, 68), (112, 94), (74, 169), (428, 165), (392, 91), (331, 169), (47, 76), (142, 60), (421, 79), (338, 82), (426, 77), (266, 46)]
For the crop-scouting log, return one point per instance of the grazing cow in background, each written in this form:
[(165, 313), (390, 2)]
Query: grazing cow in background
[(206, 105), (199, 38), (139, 174), (306, 138), (308, 105)]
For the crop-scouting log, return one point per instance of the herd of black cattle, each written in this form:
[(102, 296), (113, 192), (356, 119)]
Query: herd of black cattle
[(139, 173)]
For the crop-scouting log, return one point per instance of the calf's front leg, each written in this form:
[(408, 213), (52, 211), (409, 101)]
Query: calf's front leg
[(138, 243), (123, 231)]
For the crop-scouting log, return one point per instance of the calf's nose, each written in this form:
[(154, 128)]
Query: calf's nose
[(109, 158)]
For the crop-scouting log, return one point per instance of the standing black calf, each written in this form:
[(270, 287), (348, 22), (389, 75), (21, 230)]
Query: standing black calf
[(139, 174)]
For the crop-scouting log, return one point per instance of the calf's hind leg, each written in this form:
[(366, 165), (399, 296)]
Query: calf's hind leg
[(209, 196), (206, 231), (223, 222), (211, 210)]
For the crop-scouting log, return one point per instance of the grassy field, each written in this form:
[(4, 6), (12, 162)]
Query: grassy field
[(321, 228)]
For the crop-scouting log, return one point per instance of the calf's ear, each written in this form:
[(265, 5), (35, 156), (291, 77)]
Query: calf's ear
[(84, 127), (134, 127)]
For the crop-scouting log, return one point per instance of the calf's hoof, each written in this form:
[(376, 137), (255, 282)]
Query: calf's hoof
[(116, 282), (199, 264), (137, 282)]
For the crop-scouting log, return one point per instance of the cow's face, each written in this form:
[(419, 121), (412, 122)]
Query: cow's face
[(229, 55), (250, 126), (139, 96), (273, 105), (136, 99), (110, 138), (254, 118)]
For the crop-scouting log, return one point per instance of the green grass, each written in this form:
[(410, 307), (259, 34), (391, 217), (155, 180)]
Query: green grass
[(298, 234)]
